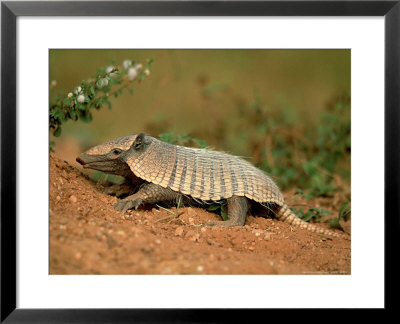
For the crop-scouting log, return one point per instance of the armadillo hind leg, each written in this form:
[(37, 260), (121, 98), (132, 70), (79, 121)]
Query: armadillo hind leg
[(149, 193), (237, 212), (286, 215)]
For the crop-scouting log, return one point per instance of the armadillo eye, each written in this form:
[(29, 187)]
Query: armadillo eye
[(116, 151)]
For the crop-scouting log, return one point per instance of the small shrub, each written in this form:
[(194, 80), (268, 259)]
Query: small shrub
[(94, 93)]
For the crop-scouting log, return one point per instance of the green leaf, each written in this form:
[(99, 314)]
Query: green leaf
[(73, 115), (52, 144), (201, 143), (57, 132), (344, 211), (57, 113), (308, 216), (92, 91), (167, 210), (334, 223), (182, 139), (321, 211), (86, 117), (309, 168), (214, 207), (224, 212), (167, 137), (299, 192), (81, 107)]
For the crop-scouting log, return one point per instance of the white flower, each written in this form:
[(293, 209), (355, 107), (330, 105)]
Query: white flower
[(102, 83), (109, 69), (126, 64), (70, 95), (79, 89), (53, 83), (132, 73), (147, 72), (138, 66), (81, 98)]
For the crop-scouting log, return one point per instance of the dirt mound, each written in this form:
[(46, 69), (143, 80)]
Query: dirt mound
[(87, 236)]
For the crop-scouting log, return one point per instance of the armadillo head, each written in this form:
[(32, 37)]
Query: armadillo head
[(111, 157)]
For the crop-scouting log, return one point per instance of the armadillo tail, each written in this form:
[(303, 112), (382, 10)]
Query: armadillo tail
[(287, 216)]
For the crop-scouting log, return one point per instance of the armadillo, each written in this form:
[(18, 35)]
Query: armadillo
[(165, 172)]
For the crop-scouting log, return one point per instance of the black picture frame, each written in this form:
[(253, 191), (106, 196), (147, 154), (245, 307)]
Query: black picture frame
[(9, 13)]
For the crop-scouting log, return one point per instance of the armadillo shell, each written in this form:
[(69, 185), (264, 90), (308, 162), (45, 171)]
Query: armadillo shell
[(203, 174)]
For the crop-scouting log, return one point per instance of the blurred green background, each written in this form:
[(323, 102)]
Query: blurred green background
[(287, 111)]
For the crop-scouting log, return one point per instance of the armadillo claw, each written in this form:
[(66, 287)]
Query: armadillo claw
[(124, 205)]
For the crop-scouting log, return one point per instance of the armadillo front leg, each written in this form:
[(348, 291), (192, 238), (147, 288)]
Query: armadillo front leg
[(148, 194), (237, 212)]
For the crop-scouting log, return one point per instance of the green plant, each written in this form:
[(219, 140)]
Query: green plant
[(219, 209), (311, 155), (343, 215), (181, 139), (174, 215), (306, 157), (312, 214), (94, 93)]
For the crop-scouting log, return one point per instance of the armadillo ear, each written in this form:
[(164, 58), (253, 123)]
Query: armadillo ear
[(137, 144)]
